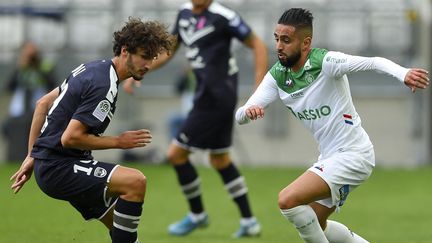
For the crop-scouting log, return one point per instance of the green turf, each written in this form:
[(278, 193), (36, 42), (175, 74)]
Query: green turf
[(393, 206)]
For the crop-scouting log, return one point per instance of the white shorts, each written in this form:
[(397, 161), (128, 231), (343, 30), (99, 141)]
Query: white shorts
[(343, 172)]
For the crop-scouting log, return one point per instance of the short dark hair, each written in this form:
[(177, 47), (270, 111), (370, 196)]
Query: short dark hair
[(297, 17), (152, 36)]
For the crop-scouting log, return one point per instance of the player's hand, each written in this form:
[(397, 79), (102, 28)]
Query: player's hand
[(417, 78), (130, 84), (23, 174), (254, 112), (134, 139)]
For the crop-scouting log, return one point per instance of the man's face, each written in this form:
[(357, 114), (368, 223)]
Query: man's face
[(288, 45), (200, 3), (137, 65)]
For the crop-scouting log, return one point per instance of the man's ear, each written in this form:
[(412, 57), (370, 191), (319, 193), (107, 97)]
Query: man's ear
[(124, 50), (307, 42)]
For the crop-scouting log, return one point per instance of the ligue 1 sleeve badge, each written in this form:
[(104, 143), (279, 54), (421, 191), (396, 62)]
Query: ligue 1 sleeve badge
[(102, 109)]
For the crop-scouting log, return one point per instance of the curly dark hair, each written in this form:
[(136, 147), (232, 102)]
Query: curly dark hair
[(152, 36)]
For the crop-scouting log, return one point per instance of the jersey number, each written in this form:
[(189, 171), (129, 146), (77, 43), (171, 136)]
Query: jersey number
[(87, 170)]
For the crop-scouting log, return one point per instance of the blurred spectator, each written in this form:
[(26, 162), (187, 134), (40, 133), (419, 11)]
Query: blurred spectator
[(31, 79)]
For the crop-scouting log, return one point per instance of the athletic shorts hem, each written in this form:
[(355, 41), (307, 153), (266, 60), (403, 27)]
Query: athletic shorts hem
[(192, 148)]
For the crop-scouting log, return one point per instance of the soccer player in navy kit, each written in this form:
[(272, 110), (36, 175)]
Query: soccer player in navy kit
[(69, 122), (206, 28)]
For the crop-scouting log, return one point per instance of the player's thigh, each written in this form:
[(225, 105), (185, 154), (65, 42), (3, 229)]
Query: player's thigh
[(125, 180), (307, 188)]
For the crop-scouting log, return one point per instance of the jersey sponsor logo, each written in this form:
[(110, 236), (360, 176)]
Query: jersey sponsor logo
[(312, 114), (188, 32), (100, 172), (297, 95), (102, 109), (196, 61), (336, 60)]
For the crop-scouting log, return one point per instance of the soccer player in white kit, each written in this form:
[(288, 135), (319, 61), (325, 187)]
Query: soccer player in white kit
[(312, 83)]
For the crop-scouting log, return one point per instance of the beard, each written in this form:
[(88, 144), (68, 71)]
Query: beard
[(132, 71), (290, 61)]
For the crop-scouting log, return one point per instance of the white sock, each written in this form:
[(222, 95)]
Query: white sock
[(247, 221), (339, 233), (306, 222), (197, 217)]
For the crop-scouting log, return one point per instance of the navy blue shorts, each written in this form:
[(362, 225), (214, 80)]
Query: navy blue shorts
[(83, 183), (207, 129)]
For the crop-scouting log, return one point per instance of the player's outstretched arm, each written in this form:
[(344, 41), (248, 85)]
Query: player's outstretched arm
[(417, 78)]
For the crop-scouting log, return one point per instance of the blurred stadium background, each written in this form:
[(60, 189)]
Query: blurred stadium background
[(70, 32)]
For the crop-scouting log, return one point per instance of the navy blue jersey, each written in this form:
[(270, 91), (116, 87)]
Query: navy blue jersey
[(207, 38), (88, 95)]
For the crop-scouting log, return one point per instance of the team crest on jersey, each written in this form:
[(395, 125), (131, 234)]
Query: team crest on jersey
[(309, 78), (100, 172), (102, 109)]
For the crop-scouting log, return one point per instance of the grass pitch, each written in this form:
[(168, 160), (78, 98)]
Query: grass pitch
[(393, 206)]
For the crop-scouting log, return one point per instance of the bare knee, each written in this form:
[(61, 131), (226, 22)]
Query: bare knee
[(136, 187), (287, 200), (220, 161), (177, 155)]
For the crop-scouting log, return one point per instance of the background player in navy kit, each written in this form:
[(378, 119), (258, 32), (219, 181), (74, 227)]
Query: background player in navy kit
[(207, 28), (69, 122)]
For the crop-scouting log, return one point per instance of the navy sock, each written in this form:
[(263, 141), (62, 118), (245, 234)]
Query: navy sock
[(236, 187), (126, 219), (190, 184)]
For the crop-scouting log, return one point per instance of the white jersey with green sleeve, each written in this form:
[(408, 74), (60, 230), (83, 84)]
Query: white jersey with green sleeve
[(319, 96)]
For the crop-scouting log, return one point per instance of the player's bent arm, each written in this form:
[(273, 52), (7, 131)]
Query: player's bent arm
[(41, 111), (24, 173), (266, 93), (76, 136), (260, 56)]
